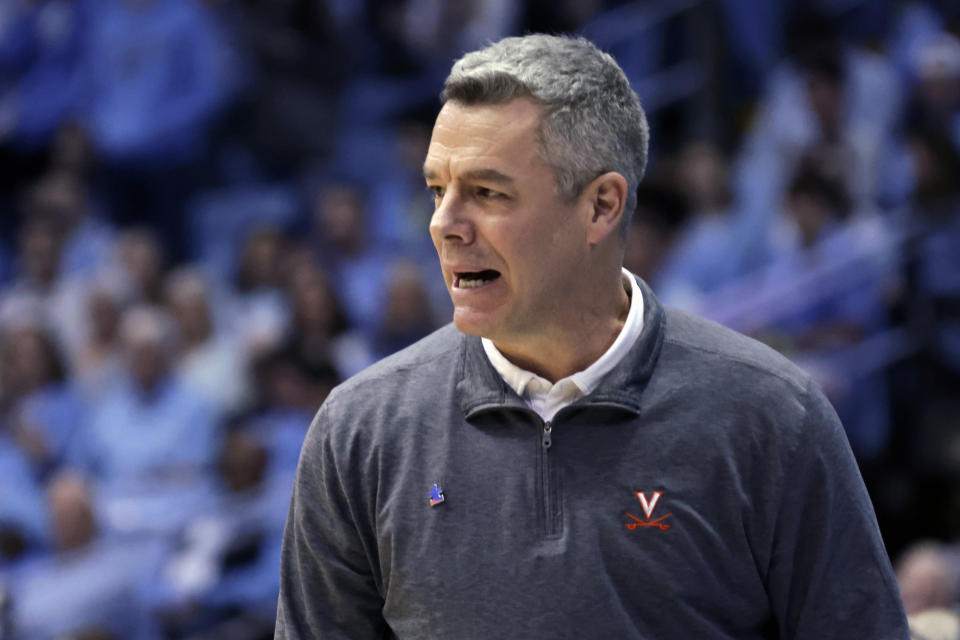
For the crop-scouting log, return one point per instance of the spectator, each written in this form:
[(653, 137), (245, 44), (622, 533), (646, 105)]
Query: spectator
[(29, 361), (157, 71), (290, 390), (705, 255), (398, 208), (45, 412), (97, 365), (208, 360), (140, 258), (935, 101), (227, 570), (224, 220), (358, 267), (72, 152), (299, 57), (661, 214), (259, 308), (59, 250), (933, 252), (36, 277), (91, 582), (320, 330), (928, 574), (151, 428), (61, 197), (22, 512), (826, 94), (936, 624), (407, 316), (41, 62), (836, 269)]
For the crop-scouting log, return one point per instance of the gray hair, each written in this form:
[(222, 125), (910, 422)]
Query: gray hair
[(592, 120)]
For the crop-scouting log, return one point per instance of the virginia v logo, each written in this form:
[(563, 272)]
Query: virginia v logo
[(648, 505)]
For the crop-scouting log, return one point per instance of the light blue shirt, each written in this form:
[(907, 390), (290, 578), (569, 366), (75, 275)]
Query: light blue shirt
[(100, 586), (22, 504), (136, 438)]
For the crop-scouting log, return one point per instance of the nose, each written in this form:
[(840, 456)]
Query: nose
[(450, 221)]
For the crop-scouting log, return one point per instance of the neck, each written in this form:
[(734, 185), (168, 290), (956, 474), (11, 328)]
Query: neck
[(566, 348)]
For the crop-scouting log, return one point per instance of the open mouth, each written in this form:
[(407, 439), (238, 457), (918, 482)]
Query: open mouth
[(474, 279)]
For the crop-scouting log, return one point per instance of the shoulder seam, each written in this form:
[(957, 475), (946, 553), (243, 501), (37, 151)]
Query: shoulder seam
[(801, 382)]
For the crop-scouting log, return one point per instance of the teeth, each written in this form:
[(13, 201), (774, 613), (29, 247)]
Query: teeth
[(475, 279)]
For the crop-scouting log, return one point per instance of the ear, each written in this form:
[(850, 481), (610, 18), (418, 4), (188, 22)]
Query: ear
[(606, 198)]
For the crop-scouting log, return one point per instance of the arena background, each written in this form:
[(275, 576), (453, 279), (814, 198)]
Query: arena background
[(212, 212)]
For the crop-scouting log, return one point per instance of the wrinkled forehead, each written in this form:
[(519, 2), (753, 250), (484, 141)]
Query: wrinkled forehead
[(467, 135)]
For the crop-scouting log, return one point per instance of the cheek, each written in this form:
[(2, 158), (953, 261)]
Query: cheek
[(526, 250), (559, 247), (528, 263)]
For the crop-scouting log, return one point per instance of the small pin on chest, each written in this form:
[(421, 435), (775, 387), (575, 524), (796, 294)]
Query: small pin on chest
[(436, 495)]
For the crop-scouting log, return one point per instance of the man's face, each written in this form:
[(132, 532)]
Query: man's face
[(510, 248), (148, 363)]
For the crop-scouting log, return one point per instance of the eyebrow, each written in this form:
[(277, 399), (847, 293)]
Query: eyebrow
[(491, 175)]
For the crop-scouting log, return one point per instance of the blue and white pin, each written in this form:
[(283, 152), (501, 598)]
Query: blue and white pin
[(436, 495)]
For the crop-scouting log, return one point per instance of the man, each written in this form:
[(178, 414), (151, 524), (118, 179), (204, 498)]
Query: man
[(151, 430), (571, 460)]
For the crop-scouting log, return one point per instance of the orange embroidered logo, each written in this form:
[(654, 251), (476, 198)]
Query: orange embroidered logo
[(648, 507)]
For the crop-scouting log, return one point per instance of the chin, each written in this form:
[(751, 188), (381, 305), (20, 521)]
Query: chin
[(473, 325), (470, 328)]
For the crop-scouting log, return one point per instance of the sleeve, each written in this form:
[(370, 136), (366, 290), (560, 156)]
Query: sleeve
[(829, 574), (327, 584)]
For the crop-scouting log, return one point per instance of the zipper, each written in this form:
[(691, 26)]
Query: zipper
[(550, 507), (550, 499), (546, 438)]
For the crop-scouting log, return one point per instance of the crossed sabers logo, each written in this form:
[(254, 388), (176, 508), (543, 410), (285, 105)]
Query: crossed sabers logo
[(648, 507)]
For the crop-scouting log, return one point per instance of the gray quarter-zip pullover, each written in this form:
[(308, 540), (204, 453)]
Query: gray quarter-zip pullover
[(705, 489)]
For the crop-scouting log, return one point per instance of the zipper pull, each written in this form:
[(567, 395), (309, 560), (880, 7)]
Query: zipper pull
[(547, 429)]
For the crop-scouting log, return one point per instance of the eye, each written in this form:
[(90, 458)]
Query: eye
[(436, 191), (486, 194)]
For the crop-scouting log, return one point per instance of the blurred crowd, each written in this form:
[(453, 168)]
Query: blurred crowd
[(213, 212)]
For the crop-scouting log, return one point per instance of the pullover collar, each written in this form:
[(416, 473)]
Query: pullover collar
[(481, 388)]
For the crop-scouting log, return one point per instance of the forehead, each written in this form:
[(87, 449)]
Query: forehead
[(497, 136)]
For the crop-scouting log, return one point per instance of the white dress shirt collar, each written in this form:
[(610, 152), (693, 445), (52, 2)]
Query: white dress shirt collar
[(547, 399)]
